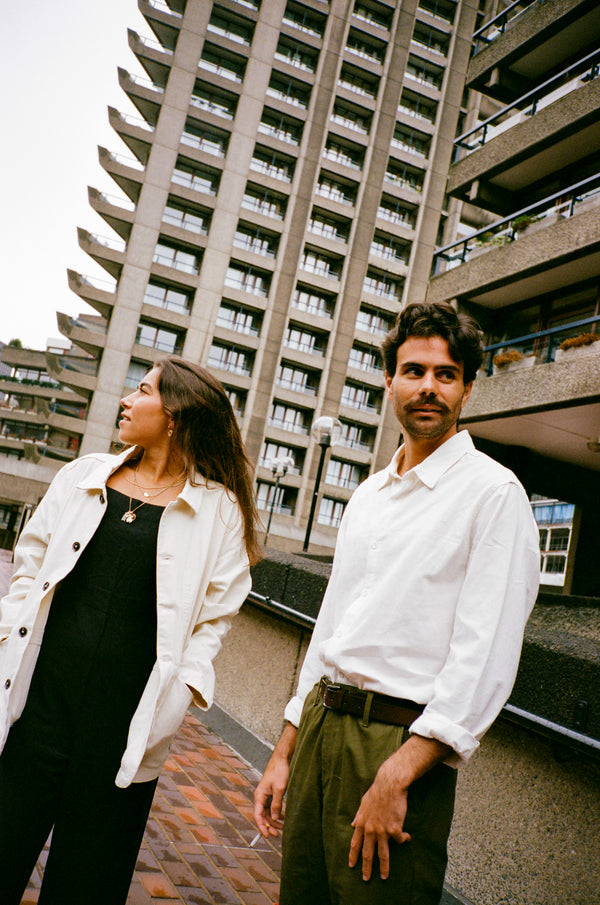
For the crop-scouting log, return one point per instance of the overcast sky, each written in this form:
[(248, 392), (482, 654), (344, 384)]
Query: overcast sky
[(58, 71)]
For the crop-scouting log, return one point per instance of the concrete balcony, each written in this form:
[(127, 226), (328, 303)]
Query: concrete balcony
[(87, 333), (156, 59), (126, 172), (108, 252), (143, 94), (135, 132), (117, 212), (514, 155), (80, 374), (560, 248), (164, 22), (100, 294), (514, 55)]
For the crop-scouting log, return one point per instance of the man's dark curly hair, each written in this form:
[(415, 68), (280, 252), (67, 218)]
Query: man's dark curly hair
[(461, 332)]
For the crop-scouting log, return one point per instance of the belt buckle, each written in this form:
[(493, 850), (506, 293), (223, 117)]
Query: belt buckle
[(330, 688)]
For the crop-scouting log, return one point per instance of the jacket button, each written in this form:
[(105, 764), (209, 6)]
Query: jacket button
[(102, 500), (76, 546), (45, 586), (7, 683), (22, 631)]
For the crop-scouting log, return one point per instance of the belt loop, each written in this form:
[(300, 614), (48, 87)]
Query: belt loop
[(367, 711)]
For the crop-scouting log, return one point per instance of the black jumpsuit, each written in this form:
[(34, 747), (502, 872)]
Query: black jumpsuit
[(61, 758)]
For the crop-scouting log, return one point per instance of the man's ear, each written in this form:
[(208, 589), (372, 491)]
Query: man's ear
[(467, 393), (388, 383)]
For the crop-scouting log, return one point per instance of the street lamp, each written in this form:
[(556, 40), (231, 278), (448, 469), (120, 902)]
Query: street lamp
[(279, 469), (326, 431)]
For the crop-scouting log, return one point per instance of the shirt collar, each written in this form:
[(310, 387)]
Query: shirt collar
[(434, 466)]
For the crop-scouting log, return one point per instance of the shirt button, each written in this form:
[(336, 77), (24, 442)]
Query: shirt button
[(22, 632), (102, 500), (7, 683), (45, 586), (76, 546)]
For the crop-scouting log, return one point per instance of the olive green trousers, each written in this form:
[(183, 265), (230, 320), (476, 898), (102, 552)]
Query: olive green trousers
[(335, 762)]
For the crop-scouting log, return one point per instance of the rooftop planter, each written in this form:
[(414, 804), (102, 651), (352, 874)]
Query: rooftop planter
[(512, 360), (574, 346)]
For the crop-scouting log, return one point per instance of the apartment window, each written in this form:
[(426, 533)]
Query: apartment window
[(272, 450), (230, 358), (330, 512), (373, 13), (208, 98), (357, 436), (371, 320), (313, 302), (155, 337), (284, 128), (204, 139), (411, 140), (196, 177), (347, 154), (390, 248), (365, 358), (365, 46), (230, 27), (355, 118), (441, 9), (282, 499), (305, 19), (303, 340), (171, 256), (136, 372), (291, 377), (359, 81), (220, 62), (329, 227), (405, 176), (336, 189), (192, 220), (431, 38), (320, 264), (416, 105), (239, 318), (397, 212), (34, 375), (383, 284), (247, 279), (288, 417), (254, 239), (299, 55), (423, 72), (271, 164), (344, 474), (237, 399), (264, 202), (361, 397), (289, 90), (166, 297)]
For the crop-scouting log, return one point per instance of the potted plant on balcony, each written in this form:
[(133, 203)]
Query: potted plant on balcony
[(512, 360), (582, 344)]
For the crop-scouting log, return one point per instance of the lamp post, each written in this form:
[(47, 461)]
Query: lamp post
[(279, 469), (326, 431)]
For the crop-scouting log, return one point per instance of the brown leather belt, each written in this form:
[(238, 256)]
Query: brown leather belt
[(368, 704)]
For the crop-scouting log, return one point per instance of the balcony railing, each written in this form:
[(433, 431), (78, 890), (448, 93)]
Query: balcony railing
[(541, 345), (160, 4), (559, 85), (562, 204), (497, 26)]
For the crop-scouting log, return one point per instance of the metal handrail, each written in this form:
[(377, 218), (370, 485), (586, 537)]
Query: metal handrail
[(590, 63), (500, 21)]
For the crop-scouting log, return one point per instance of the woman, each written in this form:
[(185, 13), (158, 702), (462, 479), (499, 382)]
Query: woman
[(144, 557)]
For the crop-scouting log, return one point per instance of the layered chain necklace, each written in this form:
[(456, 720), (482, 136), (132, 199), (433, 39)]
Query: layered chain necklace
[(130, 516)]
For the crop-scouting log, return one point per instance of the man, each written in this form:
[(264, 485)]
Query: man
[(419, 635)]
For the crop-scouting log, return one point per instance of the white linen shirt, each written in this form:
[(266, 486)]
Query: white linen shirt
[(434, 576), (202, 579)]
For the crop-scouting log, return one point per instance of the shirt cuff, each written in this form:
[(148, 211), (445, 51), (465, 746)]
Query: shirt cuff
[(293, 711), (462, 742)]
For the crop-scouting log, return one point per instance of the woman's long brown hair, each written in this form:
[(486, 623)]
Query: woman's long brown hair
[(208, 436)]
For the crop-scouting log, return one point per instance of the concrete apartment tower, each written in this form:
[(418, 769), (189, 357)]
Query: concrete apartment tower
[(282, 204), (532, 275)]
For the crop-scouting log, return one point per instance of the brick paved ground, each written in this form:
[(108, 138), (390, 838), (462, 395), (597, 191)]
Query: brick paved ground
[(196, 848)]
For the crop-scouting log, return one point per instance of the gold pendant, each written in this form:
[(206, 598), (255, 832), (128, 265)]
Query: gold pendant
[(128, 517)]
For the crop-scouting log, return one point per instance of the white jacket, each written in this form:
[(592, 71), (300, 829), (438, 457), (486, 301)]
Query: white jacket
[(202, 578)]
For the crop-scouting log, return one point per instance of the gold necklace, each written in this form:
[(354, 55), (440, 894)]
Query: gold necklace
[(144, 489), (130, 516)]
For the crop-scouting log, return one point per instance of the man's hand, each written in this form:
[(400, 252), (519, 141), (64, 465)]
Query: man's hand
[(383, 807), (268, 796)]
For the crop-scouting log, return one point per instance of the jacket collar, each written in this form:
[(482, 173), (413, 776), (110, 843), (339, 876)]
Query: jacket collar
[(101, 471), (431, 469)]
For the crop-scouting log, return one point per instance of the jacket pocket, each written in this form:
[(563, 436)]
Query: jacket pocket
[(168, 717)]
